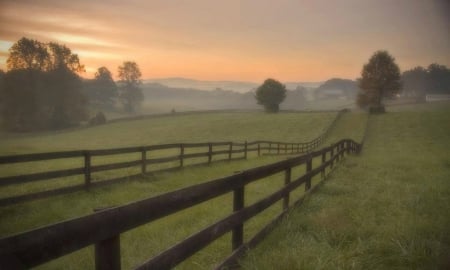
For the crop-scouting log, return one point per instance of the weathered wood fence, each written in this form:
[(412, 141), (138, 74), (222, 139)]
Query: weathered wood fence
[(103, 228), (150, 158)]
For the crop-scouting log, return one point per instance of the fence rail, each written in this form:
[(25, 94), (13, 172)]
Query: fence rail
[(103, 228), (207, 150)]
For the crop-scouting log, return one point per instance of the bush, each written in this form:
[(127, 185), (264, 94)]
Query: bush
[(377, 109), (98, 119)]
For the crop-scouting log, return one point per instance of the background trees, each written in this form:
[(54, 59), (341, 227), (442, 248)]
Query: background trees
[(380, 78), (419, 81), (270, 94), (101, 91), (41, 88), (130, 93)]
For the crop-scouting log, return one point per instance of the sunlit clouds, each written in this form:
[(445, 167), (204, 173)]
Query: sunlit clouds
[(234, 40)]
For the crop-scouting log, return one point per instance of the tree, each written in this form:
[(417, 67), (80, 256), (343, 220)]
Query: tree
[(27, 54), (130, 79), (380, 78), (62, 57), (102, 90), (41, 89), (415, 83), (438, 79), (270, 94)]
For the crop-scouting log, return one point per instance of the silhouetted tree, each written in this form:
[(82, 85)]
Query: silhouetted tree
[(270, 94), (130, 79), (102, 90), (380, 78), (438, 79), (27, 54), (62, 57), (41, 89), (415, 83)]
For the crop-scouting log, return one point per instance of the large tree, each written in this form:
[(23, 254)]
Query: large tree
[(415, 83), (438, 79), (130, 80), (41, 88), (270, 94), (380, 78), (102, 90), (27, 54)]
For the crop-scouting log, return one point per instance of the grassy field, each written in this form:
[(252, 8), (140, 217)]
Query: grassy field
[(197, 127), (148, 240), (385, 209)]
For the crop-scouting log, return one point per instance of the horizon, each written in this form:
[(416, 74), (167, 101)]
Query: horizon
[(248, 41)]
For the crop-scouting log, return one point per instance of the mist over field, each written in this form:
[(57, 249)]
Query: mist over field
[(254, 134)]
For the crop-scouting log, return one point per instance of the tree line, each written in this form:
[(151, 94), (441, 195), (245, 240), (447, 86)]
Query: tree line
[(42, 89)]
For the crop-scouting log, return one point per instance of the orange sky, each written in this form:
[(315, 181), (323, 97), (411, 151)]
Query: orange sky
[(251, 40)]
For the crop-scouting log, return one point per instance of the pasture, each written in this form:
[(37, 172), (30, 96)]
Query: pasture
[(150, 239), (385, 209)]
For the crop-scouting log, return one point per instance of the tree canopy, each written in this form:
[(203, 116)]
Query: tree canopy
[(380, 78), (41, 88), (130, 80), (101, 91), (270, 94)]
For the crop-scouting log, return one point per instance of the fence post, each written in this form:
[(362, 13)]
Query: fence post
[(181, 155), (308, 169), (259, 149), (209, 152), (238, 231), (348, 146), (278, 148), (143, 160), (245, 150), (287, 180), (270, 148), (107, 252), (332, 156), (87, 168), (230, 150), (324, 159), (338, 154), (292, 148)]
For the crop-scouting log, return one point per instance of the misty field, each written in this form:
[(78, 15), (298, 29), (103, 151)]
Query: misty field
[(385, 209), (146, 241), (178, 128)]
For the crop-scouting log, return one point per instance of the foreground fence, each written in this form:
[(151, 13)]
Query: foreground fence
[(151, 158), (103, 228)]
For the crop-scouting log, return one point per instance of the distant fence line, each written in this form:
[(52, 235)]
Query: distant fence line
[(207, 151), (103, 228)]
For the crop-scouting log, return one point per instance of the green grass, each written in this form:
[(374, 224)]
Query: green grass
[(197, 127), (385, 209), (146, 241)]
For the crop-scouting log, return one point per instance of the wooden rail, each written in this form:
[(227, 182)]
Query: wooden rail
[(103, 228), (149, 156)]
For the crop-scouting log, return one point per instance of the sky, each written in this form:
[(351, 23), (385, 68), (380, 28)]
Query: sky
[(247, 40)]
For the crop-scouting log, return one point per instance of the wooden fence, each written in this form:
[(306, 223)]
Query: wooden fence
[(146, 162), (103, 228)]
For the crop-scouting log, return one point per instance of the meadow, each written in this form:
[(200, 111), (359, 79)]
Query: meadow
[(148, 240), (384, 209)]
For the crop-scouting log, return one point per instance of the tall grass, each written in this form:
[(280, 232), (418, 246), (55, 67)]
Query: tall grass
[(385, 209)]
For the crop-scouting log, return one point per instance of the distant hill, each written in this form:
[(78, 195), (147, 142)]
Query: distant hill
[(237, 86), (337, 88), (162, 98)]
